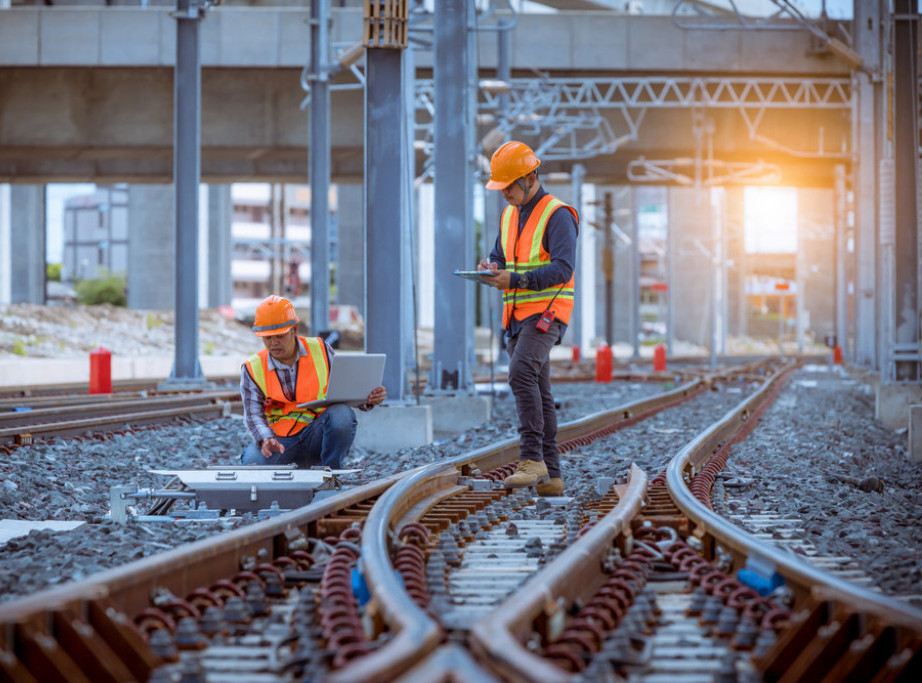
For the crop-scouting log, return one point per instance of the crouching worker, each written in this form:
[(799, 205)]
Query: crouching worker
[(289, 371)]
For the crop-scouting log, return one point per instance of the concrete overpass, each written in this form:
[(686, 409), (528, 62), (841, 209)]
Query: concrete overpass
[(86, 93)]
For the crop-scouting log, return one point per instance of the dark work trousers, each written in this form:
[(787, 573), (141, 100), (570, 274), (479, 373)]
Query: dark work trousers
[(529, 379)]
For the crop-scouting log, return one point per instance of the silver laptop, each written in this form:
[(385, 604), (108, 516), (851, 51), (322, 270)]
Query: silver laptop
[(352, 377)]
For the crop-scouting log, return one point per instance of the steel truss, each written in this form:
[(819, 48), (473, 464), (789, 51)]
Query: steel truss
[(569, 114)]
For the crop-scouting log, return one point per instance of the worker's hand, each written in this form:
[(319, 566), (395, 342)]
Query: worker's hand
[(270, 446), (487, 265), (501, 278), (376, 397)]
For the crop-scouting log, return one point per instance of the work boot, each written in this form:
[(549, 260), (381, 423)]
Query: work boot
[(527, 473), (552, 487)]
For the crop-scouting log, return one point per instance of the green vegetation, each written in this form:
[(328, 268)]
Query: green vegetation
[(19, 347), (53, 272), (209, 348), (107, 290), (153, 321)]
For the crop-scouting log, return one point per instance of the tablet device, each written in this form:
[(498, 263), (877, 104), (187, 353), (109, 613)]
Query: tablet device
[(352, 377), (474, 274)]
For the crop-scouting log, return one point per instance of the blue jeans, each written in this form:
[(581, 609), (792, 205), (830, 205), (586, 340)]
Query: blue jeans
[(323, 442)]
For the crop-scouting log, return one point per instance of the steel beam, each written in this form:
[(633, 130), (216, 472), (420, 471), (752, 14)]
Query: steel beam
[(386, 223), (319, 166), (841, 263), (906, 174), (864, 164), (635, 276), (187, 86), (577, 174), (454, 246)]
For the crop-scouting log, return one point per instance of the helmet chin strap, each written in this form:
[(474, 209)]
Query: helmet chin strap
[(521, 182)]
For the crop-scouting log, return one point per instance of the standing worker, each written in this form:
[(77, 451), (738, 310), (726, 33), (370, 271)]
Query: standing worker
[(533, 262), (289, 371)]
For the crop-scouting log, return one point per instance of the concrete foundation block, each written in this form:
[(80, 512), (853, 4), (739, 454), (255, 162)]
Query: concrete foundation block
[(915, 432), (390, 428), (892, 405), (452, 414)]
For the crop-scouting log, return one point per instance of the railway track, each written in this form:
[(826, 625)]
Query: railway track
[(23, 421), (491, 585)]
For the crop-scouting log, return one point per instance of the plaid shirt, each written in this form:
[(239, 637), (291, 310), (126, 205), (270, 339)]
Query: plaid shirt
[(254, 413)]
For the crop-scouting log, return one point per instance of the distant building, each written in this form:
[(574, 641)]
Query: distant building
[(96, 234), (270, 238)]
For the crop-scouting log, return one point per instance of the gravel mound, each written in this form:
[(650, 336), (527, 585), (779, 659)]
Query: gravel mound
[(65, 332)]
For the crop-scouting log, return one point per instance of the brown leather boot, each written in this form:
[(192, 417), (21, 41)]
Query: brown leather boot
[(527, 473), (552, 487)]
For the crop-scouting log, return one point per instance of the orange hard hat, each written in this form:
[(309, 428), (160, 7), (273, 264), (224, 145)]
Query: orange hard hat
[(274, 315), (509, 163)]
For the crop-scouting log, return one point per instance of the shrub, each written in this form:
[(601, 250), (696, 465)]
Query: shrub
[(53, 272), (108, 290)]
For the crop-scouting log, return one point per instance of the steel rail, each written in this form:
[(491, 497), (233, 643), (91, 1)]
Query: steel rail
[(498, 638), (44, 400), (112, 407), (119, 386), (27, 433), (802, 576)]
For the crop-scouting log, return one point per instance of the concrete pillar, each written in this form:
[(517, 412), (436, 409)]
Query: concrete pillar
[(564, 192), (422, 259), (816, 234), (589, 246), (624, 264), (218, 256), (915, 433), (892, 401), (737, 310), (27, 226), (488, 297), (351, 234), (151, 240), (5, 245), (690, 218)]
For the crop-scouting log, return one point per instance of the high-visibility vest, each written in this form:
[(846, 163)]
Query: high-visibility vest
[(282, 414), (524, 252)]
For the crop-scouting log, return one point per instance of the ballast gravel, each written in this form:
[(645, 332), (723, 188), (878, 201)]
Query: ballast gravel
[(69, 479)]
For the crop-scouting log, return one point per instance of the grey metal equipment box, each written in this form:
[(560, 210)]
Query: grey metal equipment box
[(255, 487)]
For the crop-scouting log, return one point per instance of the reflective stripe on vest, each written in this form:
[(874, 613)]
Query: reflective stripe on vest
[(283, 415), (531, 255)]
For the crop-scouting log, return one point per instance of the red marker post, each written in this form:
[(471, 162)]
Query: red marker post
[(659, 358), (100, 371), (603, 364)]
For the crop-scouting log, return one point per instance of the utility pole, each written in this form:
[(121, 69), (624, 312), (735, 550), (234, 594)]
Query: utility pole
[(608, 268)]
